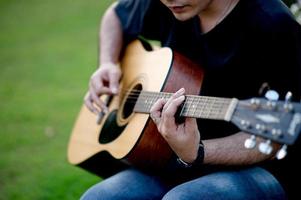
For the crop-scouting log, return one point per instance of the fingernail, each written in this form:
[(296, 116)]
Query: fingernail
[(114, 90), (105, 110), (182, 98), (182, 90)]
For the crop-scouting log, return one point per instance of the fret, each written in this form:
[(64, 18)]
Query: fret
[(220, 111), (217, 108), (211, 105), (198, 111), (166, 96), (192, 108), (152, 101), (185, 107), (202, 107), (207, 109)]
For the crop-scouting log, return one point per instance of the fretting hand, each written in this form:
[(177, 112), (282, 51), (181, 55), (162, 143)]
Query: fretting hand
[(183, 138)]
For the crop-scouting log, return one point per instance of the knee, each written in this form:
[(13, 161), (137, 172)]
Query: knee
[(203, 188), (176, 194), (96, 192)]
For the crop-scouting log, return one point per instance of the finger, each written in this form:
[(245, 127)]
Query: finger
[(114, 81), (89, 103), (174, 96), (97, 81), (99, 88), (168, 116), (190, 124), (156, 109), (168, 120), (95, 99)]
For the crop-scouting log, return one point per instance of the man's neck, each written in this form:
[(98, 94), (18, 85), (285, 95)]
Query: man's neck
[(215, 12)]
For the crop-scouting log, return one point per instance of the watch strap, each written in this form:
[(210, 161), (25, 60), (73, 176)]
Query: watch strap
[(198, 161)]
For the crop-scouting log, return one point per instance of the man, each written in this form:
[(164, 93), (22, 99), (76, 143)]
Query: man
[(242, 45)]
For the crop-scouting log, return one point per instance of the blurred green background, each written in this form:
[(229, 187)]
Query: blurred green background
[(48, 50)]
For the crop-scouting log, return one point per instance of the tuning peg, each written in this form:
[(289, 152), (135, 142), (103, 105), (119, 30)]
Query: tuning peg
[(282, 152), (287, 105), (272, 95), (288, 96), (245, 124), (260, 128), (265, 147), (255, 103), (250, 143)]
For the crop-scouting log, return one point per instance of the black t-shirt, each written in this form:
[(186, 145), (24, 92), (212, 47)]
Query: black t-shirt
[(258, 42)]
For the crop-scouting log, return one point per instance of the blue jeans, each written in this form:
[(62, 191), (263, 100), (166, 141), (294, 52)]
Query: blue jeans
[(248, 184)]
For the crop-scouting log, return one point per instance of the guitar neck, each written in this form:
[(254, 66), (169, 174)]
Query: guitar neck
[(194, 106)]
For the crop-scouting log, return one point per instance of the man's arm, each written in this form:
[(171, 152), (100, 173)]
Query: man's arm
[(184, 138), (231, 151), (110, 37), (105, 80)]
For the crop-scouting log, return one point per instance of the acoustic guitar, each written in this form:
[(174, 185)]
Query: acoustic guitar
[(126, 135)]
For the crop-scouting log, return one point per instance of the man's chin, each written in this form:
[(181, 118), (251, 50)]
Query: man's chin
[(182, 17)]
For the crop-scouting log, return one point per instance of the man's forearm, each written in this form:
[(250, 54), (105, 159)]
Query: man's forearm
[(110, 37), (231, 151)]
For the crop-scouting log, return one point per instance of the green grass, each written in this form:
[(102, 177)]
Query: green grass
[(48, 50)]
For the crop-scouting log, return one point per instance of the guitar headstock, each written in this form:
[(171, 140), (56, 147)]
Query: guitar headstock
[(277, 121)]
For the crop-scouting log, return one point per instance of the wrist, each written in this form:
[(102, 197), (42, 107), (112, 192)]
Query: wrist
[(109, 64), (197, 162)]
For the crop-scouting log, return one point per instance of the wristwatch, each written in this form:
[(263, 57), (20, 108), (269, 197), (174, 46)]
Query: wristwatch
[(198, 161)]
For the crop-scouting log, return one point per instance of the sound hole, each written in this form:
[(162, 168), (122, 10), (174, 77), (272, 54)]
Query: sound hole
[(131, 101), (111, 130)]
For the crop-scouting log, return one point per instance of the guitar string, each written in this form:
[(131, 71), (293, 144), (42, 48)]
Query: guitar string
[(146, 99), (217, 107), (216, 103), (135, 93), (148, 94), (214, 110)]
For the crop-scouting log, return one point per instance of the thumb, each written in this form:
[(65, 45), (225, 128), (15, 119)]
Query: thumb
[(191, 124), (114, 81)]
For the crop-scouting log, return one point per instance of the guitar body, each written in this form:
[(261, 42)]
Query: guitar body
[(123, 136)]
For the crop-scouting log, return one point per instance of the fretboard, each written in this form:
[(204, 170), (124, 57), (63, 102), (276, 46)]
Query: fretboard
[(194, 106)]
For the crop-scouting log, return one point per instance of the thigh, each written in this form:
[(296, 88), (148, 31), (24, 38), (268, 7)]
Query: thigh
[(249, 184), (128, 184)]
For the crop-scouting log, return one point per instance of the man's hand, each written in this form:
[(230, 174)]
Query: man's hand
[(183, 138), (105, 80)]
